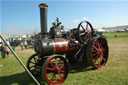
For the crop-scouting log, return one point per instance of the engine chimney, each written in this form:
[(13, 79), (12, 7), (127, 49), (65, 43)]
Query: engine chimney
[(43, 17)]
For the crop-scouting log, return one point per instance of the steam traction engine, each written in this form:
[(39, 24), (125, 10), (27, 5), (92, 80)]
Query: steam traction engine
[(56, 48)]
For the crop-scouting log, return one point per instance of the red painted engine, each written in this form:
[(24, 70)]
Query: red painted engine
[(57, 48)]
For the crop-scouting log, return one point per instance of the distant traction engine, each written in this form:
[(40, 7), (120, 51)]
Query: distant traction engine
[(57, 48)]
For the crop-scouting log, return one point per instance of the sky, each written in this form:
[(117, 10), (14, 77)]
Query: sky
[(22, 16)]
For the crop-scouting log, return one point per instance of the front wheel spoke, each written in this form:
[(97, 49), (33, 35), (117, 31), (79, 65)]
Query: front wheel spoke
[(52, 69), (51, 63), (52, 77), (48, 73), (61, 71), (61, 67), (56, 62), (60, 76), (60, 62), (55, 78)]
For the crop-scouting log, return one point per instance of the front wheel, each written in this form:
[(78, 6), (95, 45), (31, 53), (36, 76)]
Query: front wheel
[(55, 70)]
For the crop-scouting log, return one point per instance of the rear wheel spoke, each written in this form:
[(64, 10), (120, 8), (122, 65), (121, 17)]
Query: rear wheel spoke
[(98, 45), (95, 48)]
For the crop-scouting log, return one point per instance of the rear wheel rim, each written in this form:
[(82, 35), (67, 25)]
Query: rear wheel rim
[(99, 52)]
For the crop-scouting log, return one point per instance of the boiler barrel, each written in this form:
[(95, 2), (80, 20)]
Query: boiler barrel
[(56, 46)]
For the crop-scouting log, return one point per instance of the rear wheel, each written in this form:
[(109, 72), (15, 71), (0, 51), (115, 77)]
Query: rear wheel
[(97, 52)]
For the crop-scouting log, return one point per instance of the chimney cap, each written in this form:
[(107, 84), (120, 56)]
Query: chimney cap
[(43, 5)]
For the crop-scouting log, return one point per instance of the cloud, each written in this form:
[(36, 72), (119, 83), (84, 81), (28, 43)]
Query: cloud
[(85, 18), (77, 20), (16, 29)]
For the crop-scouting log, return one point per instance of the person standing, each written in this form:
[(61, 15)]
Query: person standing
[(22, 44), (3, 51), (25, 45), (7, 50)]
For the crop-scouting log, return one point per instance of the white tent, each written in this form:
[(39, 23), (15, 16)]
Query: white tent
[(101, 30)]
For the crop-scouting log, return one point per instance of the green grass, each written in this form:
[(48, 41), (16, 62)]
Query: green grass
[(118, 34), (114, 73)]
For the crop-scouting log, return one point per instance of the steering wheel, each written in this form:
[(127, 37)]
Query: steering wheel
[(85, 31)]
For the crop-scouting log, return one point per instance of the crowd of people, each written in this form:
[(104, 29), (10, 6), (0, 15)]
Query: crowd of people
[(5, 50)]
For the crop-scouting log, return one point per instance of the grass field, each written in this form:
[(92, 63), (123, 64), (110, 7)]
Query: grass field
[(114, 73)]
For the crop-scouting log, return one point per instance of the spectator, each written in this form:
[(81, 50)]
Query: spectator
[(7, 50), (3, 51), (25, 45), (21, 44), (115, 36)]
